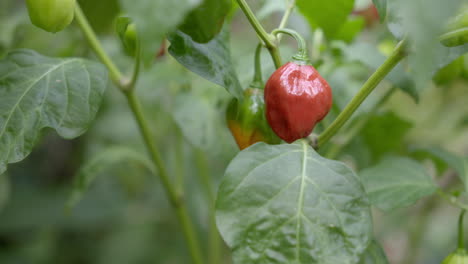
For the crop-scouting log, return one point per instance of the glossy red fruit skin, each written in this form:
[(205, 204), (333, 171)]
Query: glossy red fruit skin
[(296, 98)]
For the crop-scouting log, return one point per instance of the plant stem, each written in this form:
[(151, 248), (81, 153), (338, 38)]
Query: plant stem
[(285, 19), (461, 233), (136, 69), (267, 39), (93, 41), (261, 32), (397, 55), (174, 198), (287, 14), (214, 238), (134, 104), (301, 56), (452, 200), (179, 161), (357, 126), (417, 233), (257, 80)]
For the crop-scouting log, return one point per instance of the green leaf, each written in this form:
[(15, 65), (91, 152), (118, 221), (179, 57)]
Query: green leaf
[(423, 21), (384, 133), (370, 56), (155, 18), (211, 61), (350, 29), (374, 255), (286, 204), (207, 20), (38, 92), (328, 15), (456, 162), (201, 131), (397, 182), (381, 6), (102, 161)]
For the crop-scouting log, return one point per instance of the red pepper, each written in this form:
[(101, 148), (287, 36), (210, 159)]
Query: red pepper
[(296, 99)]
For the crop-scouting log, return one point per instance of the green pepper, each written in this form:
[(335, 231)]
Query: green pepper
[(457, 257), (247, 122), (128, 35), (457, 29), (246, 116), (51, 15)]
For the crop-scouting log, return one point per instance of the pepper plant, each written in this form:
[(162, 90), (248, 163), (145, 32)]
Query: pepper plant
[(181, 96)]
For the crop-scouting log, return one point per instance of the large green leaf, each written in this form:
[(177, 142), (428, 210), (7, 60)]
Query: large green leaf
[(155, 18), (374, 254), (397, 182), (206, 21), (328, 15), (38, 92), (286, 204), (211, 61)]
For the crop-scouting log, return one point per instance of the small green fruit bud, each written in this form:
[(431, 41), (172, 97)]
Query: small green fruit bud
[(51, 15)]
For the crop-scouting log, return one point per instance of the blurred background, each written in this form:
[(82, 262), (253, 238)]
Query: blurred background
[(124, 216)]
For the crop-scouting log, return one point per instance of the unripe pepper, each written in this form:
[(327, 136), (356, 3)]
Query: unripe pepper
[(128, 35), (51, 15), (246, 116), (246, 120), (458, 29), (457, 257), (296, 98)]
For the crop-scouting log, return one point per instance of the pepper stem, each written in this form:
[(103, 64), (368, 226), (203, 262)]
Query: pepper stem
[(461, 237), (257, 81), (301, 56)]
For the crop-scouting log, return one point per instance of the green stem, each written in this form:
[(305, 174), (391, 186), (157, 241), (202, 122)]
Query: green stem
[(287, 14), (267, 39), (179, 161), (301, 55), (397, 55), (136, 70), (261, 32), (257, 81), (417, 232), (316, 44), (116, 76), (452, 200), (93, 41), (214, 238), (357, 126), (174, 198), (461, 233)]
